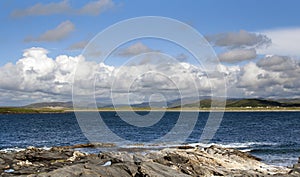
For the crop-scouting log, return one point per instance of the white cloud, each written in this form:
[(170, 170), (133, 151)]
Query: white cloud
[(78, 45), (37, 77), (237, 55), (285, 42), (181, 57), (267, 78), (36, 72), (240, 46), (238, 39), (59, 33), (135, 49), (64, 7), (96, 7), (43, 9), (278, 63)]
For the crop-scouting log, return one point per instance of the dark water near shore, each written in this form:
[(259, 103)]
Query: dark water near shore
[(272, 136)]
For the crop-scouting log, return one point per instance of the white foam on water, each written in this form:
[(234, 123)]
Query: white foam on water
[(235, 145), (246, 150), (45, 148), (245, 146), (15, 149)]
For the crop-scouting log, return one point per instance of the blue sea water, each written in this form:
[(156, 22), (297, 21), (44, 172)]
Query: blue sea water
[(272, 136)]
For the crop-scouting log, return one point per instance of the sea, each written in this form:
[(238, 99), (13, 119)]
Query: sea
[(272, 136)]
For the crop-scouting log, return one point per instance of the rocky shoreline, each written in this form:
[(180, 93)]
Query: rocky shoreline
[(170, 162)]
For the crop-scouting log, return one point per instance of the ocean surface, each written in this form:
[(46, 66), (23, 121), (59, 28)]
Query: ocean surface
[(272, 136)]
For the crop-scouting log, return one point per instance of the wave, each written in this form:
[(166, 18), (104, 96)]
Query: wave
[(246, 150), (244, 145), (18, 149), (15, 149)]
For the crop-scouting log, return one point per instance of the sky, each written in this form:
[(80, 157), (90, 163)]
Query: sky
[(257, 44)]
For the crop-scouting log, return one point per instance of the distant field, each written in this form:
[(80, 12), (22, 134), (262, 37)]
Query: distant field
[(19, 110)]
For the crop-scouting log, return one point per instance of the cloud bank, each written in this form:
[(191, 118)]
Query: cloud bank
[(37, 77)]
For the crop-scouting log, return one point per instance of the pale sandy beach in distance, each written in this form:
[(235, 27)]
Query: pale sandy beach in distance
[(190, 110)]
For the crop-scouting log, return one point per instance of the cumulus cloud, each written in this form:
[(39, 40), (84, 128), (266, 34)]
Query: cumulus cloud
[(135, 49), (239, 39), (59, 33), (253, 77), (36, 73), (237, 55), (272, 76), (181, 57), (278, 63), (37, 77), (64, 7), (284, 42)]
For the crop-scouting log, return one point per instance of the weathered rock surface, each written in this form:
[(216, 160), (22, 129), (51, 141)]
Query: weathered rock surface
[(296, 169), (169, 162)]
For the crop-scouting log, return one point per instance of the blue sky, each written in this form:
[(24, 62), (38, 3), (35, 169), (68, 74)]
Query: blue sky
[(251, 36), (208, 17)]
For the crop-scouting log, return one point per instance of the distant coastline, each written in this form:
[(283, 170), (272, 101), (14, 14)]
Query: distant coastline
[(201, 105), (194, 110), (22, 110)]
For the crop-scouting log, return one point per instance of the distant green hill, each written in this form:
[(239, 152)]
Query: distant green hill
[(289, 101), (253, 103), (188, 103), (206, 103), (68, 104)]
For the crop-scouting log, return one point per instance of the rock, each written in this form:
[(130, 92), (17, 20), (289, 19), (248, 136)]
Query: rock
[(296, 169), (185, 147), (75, 156), (156, 169), (217, 150), (24, 163), (2, 161), (180, 161), (90, 145)]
